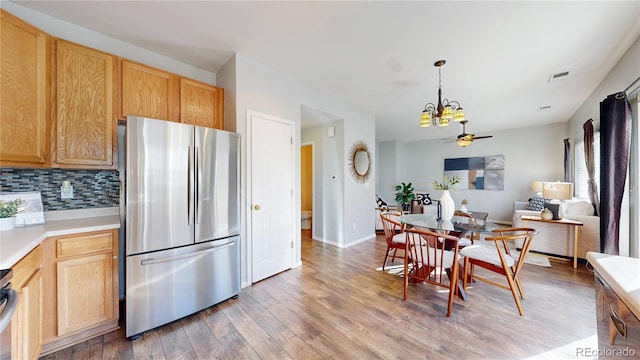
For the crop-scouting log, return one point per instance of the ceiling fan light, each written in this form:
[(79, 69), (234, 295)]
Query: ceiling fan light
[(463, 142), (459, 115)]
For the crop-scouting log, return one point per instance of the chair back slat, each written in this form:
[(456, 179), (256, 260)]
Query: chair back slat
[(391, 225), (433, 258)]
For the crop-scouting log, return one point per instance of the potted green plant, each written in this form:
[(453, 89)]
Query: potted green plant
[(404, 195), (448, 207), (8, 211)]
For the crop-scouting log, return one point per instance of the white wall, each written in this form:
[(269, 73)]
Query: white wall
[(386, 178), (74, 33), (531, 154), (265, 90), (328, 209)]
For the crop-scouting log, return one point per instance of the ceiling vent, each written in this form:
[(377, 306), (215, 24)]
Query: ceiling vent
[(554, 77)]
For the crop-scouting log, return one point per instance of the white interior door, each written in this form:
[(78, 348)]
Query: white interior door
[(272, 205)]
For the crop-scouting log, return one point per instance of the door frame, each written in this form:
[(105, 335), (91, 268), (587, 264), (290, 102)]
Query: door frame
[(295, 157), (313, 185)]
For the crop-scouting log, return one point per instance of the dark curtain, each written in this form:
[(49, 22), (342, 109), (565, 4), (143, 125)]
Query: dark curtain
[(615, 141), (591, 169), (567, 161)]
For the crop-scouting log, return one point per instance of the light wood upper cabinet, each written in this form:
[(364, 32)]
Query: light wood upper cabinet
[(148, 92), (85, 125), (24, 93), (201, 104), (26, 326)]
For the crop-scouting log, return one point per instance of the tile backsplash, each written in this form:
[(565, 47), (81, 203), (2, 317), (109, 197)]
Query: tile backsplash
[(91, 188)]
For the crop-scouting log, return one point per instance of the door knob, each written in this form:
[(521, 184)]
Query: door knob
[(256, 207)]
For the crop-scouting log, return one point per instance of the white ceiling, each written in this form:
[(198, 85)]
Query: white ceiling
[(379, 55)]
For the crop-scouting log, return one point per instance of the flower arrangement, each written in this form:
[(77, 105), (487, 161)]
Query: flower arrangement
[(447, 183), (11, 208)]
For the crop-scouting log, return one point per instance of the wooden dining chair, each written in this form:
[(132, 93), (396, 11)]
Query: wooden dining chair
[(433, 258), (499, 260), (467, 238), (393, 233)]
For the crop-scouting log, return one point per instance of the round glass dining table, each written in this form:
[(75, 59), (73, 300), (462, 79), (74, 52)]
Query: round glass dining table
[(457, 226)]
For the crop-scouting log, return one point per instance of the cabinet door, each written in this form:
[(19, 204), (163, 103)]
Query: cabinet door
[(201, 104), (24, 73), (149, 92), (85, 292), (85, 125), (29, 318)]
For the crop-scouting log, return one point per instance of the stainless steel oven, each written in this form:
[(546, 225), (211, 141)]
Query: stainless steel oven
[(8, 303)]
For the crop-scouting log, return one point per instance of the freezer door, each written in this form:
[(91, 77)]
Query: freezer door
[(167, 285), (159, 179), (217, 172)]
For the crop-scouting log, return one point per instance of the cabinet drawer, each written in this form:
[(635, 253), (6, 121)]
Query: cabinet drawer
[(84, 244), (24, 269)]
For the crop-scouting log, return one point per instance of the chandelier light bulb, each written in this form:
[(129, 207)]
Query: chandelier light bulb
[(425, 119)]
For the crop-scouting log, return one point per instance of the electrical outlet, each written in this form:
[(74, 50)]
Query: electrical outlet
[(66, 192)]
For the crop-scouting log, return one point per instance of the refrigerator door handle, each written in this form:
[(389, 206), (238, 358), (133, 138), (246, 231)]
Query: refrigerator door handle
[(184, 256), (198, 184), (189, 184)]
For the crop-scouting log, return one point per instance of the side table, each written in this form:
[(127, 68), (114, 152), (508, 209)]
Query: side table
[(566, 222)]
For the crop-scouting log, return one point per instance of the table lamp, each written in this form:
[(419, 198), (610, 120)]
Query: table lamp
[(556, 191)]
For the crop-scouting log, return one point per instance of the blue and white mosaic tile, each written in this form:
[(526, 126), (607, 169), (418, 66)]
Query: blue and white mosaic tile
[(91, 188)]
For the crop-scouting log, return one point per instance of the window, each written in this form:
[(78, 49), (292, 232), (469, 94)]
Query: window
[(582, 177)]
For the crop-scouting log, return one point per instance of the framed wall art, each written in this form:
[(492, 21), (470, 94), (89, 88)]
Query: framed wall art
[(477, 173)]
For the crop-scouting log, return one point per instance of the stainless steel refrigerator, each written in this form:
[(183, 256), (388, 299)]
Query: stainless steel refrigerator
[(182, 220)]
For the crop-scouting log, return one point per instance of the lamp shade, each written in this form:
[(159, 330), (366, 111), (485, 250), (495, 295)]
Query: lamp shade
[(557, 190), (536, 186)]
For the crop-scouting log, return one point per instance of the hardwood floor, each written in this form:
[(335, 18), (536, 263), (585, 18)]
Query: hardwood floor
[(338, 306)]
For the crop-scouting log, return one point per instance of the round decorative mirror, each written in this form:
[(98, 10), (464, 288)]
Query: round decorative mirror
[(360, 161)]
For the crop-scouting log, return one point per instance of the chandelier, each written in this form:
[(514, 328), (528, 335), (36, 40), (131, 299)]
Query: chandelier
[(440, 114)]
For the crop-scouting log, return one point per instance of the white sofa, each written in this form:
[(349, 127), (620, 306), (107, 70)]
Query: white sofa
[(558, 239)]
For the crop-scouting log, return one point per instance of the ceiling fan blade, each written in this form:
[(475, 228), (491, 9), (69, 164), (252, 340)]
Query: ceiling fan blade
[(482, 137)]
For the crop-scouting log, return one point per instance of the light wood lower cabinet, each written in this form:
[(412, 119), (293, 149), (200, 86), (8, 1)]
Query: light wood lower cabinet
[(26, 325), (82, 272)]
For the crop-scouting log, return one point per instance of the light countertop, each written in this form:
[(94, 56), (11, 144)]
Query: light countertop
[(15, 244), (622, 275)]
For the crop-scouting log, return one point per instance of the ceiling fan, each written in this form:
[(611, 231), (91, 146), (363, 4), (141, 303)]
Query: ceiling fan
[(465, 139)]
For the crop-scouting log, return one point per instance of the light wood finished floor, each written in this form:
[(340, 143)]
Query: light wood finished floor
[(338, 306)]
